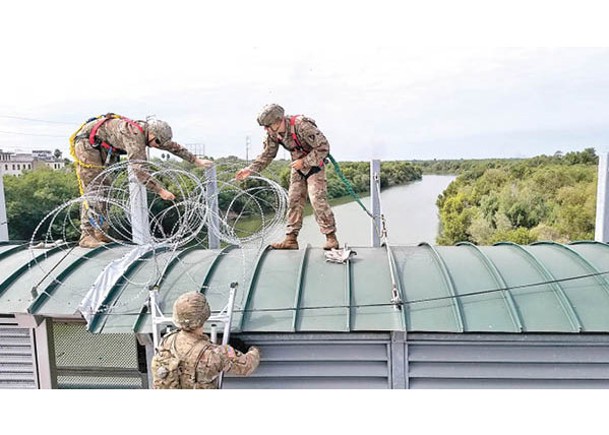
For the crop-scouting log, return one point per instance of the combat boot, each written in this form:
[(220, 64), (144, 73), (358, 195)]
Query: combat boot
[(89, 241), (289, 242), (331, 242), (102, 237)]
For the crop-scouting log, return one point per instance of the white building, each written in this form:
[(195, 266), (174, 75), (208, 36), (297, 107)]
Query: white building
[(15, 163)]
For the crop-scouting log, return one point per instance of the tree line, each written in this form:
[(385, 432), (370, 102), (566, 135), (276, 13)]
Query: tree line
[(519, 200)]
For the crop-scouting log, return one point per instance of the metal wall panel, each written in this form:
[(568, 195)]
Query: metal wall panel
[(17, 356), (85, 360), (508, 361), (318, 361)]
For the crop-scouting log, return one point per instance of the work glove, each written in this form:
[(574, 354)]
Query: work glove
[(238, 344), (340, 256)]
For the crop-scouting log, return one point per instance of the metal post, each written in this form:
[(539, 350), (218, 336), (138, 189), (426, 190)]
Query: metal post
[(213, 225), (228, 320), (3, 220), (45, 355), (375, 201), (602, 200), (213, 333), (399, 360), (229, 312), (156, 314), (140, 225)]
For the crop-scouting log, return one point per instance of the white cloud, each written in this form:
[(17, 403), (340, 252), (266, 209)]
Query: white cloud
[(369, 73)]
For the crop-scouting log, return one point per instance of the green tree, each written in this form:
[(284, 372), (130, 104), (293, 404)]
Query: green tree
[(524, 200), (33, 195)]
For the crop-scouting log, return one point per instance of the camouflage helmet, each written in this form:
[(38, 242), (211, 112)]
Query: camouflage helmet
[(161, 130), (190, 311), (270, 114)]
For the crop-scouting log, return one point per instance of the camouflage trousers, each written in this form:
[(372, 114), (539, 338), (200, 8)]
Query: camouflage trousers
[(317, 188), (94, 210)]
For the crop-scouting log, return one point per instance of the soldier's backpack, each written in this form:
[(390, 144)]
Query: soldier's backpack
[(169, 368)]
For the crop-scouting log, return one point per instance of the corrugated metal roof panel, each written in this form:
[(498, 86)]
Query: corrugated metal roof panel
[(545, 287), (130, 294), (68, 286), (537, 303), (427, 291), (323, 286), (270, 302), (589, 297), (371, 292), (482, 312)]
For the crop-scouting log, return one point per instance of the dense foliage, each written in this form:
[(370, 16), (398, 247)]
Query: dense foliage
[(30, 197), (520, 200)]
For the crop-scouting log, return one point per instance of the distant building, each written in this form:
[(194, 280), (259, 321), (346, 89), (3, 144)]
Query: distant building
[(15, 163), (48, 158)]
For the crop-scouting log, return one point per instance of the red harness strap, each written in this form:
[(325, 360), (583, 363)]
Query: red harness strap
[(97, 143), (293, 132), (315, 169), (296, 141)]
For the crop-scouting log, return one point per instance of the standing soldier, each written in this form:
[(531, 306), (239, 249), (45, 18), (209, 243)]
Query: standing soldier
[(98, 143), (308, 149), (199, 361)]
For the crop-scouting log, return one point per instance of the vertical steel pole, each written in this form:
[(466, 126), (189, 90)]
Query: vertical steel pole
[(375, 201), (140, 226), (3, 220), (213, 223), (601, 233)]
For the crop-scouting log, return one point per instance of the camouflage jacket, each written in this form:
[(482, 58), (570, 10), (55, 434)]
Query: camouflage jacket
[(214, 359), (127, 137), (315, 145)]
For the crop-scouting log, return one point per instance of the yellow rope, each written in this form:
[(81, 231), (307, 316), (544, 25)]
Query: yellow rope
[(81, 185)]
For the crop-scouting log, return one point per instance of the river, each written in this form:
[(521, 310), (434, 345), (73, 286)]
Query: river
[(410, 212)]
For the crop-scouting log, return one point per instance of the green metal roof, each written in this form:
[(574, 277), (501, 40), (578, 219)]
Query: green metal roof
[(509, 288)]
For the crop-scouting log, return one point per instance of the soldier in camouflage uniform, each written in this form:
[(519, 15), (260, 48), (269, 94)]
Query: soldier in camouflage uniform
[(308, 149), (200, 369), (119, 136)]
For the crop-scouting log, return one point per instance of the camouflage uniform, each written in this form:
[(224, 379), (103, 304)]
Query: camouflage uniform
[(315, 148), (213, 359), (201, 361), (126, 137)]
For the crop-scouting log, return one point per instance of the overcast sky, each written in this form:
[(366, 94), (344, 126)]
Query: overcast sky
[(381, 81)]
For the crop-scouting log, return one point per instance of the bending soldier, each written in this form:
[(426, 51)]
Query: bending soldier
[(200, 360), (308, 149), (99, 143)]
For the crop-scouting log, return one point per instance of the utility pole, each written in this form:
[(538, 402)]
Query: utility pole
[(247, 148), (196, 149)]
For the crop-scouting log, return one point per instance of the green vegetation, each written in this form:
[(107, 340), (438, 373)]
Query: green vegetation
[(30, 197), (520, 200)]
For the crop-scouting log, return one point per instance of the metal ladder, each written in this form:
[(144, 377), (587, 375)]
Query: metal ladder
[(224, 317)]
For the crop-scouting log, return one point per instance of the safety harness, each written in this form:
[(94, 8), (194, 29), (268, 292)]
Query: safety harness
[(95, 218), (315, 169), (98, 143)]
